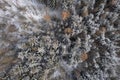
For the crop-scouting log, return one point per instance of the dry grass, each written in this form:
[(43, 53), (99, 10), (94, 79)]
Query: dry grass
[(2, 68), (6, 60), (3, 51)]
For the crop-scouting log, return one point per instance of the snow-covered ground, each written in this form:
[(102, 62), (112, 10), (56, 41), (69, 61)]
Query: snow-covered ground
[(59, 39)]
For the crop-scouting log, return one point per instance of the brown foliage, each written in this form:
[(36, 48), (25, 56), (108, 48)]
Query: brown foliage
[(12, 28), (68, 30), (84, 56), (65, 15), (47, 17)]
